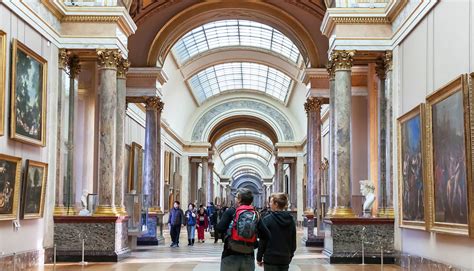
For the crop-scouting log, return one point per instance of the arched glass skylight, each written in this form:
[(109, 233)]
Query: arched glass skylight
[(237, 76), (245, 171), (246, 155), (245, 150), (229, 33), (243, 133)]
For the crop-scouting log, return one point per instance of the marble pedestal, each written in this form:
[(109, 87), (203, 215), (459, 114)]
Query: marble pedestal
[(344, 236), (310, 239), (106, 238), (154, 235)]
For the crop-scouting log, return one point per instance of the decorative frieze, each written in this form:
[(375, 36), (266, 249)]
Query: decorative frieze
[(342, 60), (108, 58)]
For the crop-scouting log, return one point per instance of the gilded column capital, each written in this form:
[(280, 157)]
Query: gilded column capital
[(154, 103), (108, 58), (313, 104), (122, 67), (280, 160), (342, 60), (62, 58), (380, 70), (388, 60), (73, 65), (330, 69)]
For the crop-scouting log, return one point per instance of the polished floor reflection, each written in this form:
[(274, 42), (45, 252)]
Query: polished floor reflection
[(206, 257)]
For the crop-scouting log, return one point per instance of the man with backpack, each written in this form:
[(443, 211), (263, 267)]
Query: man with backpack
[(242, 226)]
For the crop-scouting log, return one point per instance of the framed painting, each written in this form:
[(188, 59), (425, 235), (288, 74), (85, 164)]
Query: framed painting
[(449, 156), (10, 170), (3, 60), (413, 209), (135, 168), (34, 190), (28, 96), (471, 189)]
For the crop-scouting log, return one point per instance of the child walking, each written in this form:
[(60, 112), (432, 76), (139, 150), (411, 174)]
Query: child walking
[(202, 223)]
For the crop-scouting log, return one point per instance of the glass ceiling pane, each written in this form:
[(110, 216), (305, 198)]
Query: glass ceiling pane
[(243, 133), (228, 33), (240, 75), (245, 150)]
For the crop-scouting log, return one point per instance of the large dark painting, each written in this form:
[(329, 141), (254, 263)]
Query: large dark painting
[(3, 58), (28, 95), (34, 187), (449, 150), (412, 187), (9, 186)]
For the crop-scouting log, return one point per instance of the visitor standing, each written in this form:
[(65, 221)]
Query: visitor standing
[(275, 254), (242, 227), (175, 220), (191, 218), (202, 223)]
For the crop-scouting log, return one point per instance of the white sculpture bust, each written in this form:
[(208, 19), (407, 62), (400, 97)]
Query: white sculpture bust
[(367, 189), (84, 211)]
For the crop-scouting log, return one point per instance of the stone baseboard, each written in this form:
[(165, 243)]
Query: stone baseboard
[(91, 256), (21, 260), (413, 262)]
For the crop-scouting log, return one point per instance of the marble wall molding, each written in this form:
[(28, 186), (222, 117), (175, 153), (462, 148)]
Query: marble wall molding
[(268, 113)]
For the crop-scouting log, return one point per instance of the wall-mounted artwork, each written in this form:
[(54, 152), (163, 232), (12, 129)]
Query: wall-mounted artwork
[(449, 153), (3, 59), (28, 96), (471, 190), (411, 164), (10, 169), (135, 168), (34, 189)]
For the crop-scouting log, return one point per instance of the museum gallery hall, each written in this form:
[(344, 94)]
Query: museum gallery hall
[(360, 111)]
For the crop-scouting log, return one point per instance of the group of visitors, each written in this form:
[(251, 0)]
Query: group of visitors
[(242, 229)]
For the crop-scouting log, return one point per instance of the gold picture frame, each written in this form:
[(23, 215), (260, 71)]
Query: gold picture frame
[(28, 118), (135, 164), (449, 158), (10, 170), (3, 63), (34, 189), (411, 168), (471, 189)]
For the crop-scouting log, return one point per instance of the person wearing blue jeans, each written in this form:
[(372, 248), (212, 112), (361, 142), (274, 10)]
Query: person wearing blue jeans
[(190, 217)]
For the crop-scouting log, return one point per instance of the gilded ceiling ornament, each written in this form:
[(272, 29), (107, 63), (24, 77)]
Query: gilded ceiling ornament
[(312, 104), (108, 58), (122, 67), (74, 66), (62, 58), (154, 103), (342, 59)]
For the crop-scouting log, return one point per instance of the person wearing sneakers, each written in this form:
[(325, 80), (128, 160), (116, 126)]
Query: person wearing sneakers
[(275, 254), (191, 217)]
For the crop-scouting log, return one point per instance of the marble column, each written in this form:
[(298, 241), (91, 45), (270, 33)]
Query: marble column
[(122, 69), (107, 60), (343, 107), (332, 139), (313, 153), (387, 66), (280, 176), (204, 178), (382, 127), (210, 182), (156, 203), (275, 178)]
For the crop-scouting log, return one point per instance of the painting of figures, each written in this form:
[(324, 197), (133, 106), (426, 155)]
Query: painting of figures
[(34, 186), (449, 178), (3, 58), (9, 186), (28, 99), (412, 187)]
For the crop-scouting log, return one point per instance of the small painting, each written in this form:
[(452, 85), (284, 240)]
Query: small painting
[(10, 168), (412, 188), (449, 153), (34, 189), (135, 168), (3, 59), (28, 96)]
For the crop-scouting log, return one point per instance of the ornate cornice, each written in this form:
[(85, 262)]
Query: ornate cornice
[(361, 20), (342, 59), (62, 59), (90, 19), (122, 67), (108, 58), (154, 103), (73, 65), (313, 104)]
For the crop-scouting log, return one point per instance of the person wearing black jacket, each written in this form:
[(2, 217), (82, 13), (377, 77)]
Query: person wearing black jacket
[(232, 260), (275, 254), (175, 220)]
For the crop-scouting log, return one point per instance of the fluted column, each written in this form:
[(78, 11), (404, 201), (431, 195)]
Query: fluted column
[(151, 181), (385, 182), (332, 138), (107, 60), (210, 182), (313, 153), (204, 178), (343, 107), (122, 69)]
